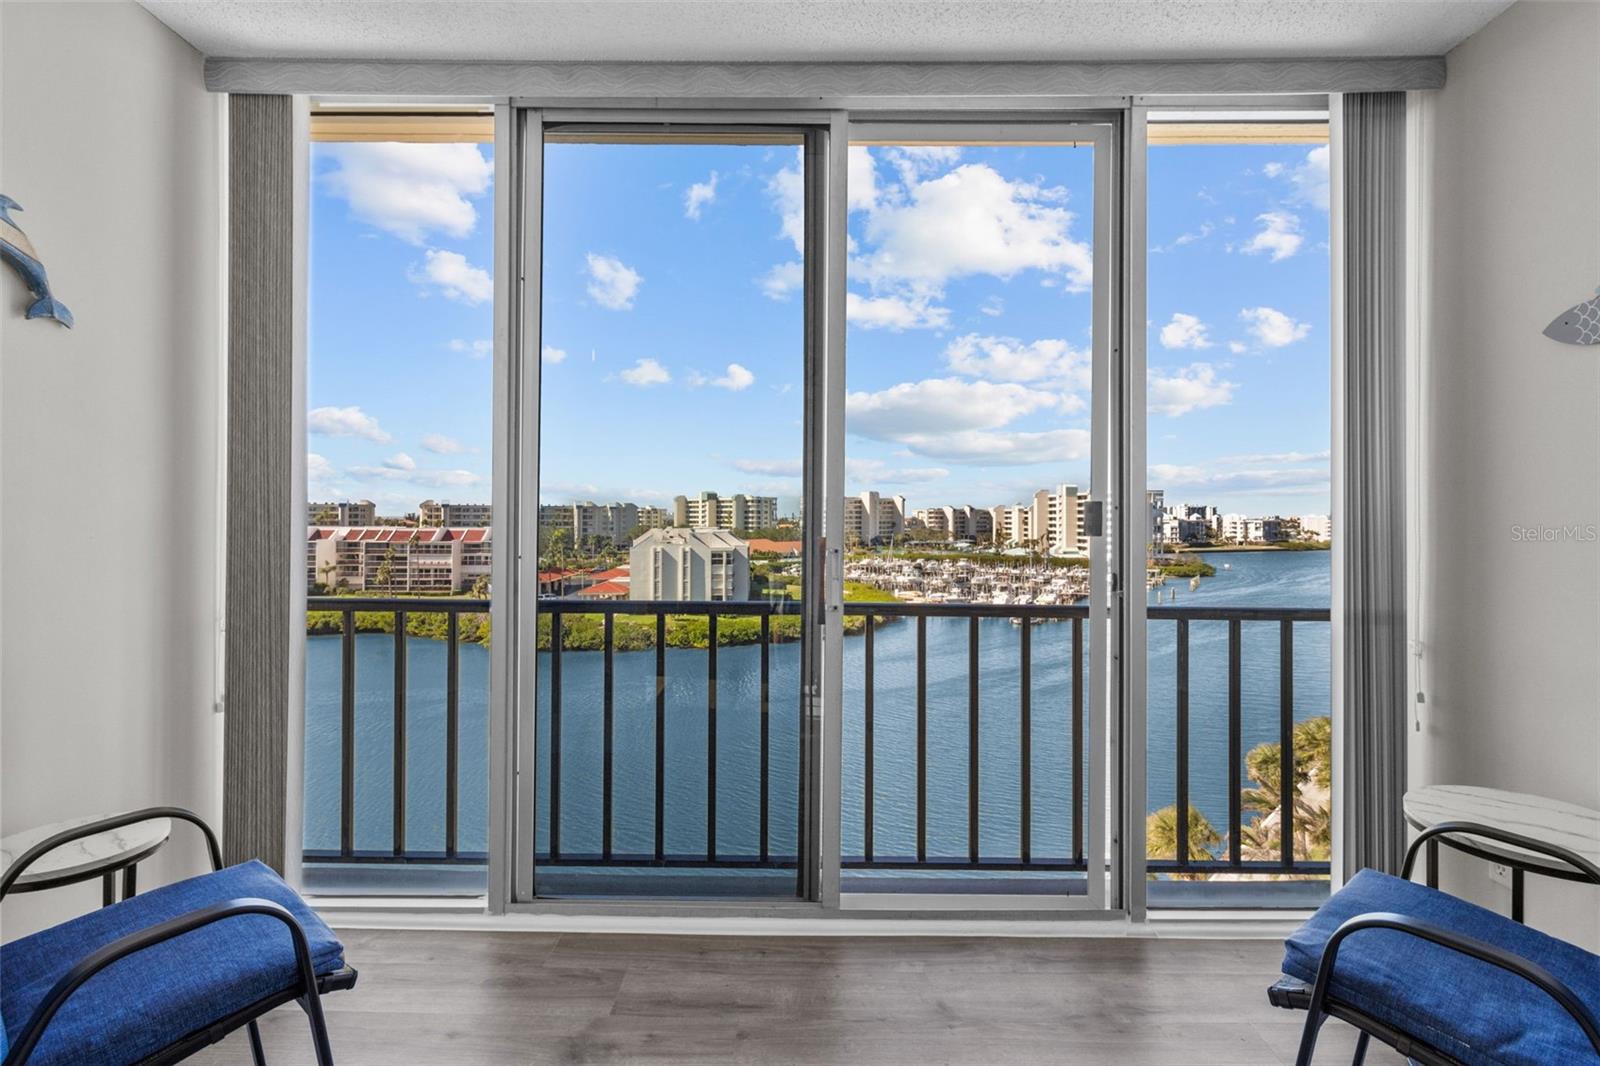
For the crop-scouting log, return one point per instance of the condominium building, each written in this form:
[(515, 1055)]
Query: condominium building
[(689, 564), (873, 519), (1156, 502), (1057, 521), (348, 513), (1316, 527), (396, 559), (739, 512), (605, 521), (434, 514)]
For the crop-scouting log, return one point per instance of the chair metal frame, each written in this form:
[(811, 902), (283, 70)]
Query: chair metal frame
[(1321, 1005), (307, 989)]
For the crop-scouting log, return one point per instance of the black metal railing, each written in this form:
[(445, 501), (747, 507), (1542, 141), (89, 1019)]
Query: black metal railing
[(557, 610), (399, 610), (1065, 855), (1233, 861)]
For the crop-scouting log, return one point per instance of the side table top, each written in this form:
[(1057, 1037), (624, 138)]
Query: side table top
[(1548, 820), (81, 858)]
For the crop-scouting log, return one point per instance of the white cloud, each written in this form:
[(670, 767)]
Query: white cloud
[(934, 405), (698, 195), (1186, 389), (1225, 482), (737, 379), (782, 279), (455, 277), (1309, 179), (646, 372), (439, 444), (401, 467), (788, 192), (1007, 359), (894, 312), (410, 190), (1184, 331), (870, 473), (346, 422), (1276, 457), (612, 283), (994, 307), (861, 180), (1272, 328), (551, 354), (476, 349), (318, 470), (770, 467), (986, 447), (1238, 347), (1204, 230), (1280, 235), (973, 221)]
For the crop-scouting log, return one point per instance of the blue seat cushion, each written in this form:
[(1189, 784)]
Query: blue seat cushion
[(150, 999), (1471, 1010)]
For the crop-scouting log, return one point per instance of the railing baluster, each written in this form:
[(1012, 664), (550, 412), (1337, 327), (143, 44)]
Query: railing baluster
[(555, 734), (1235, 748), (661, 736), (1286, 773), (1181, 770), (347, 735), (766, 748), (1025, 725), (711, 737), (452, 719), (972, 741), (1077, 740), (1181, 799), (866, 740), (399, 782), (607, 689), (922, 738)]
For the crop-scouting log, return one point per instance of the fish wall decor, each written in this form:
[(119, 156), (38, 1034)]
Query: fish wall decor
[(1578, 324), (18, 253)]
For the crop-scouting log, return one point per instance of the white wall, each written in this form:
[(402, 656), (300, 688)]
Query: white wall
[(108, 431), (1512, 627)]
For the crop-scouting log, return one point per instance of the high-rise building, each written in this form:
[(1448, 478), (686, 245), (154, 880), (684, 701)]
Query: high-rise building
[(604, 521), (740, 513), (874, 519), (395, 559), (433, 514), (689, 564), (347, 513)]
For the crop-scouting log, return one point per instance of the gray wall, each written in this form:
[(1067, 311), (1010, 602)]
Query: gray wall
[(108, 432), (1512, 627)]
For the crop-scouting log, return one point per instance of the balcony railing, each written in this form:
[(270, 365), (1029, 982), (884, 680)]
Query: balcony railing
[(1065, 852)]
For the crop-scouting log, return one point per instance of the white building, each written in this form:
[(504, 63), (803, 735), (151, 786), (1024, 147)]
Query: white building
[(689, 564), (396, 559), (738, 512), (874, 519), (1316, 526), (434, 514), (346, 513)]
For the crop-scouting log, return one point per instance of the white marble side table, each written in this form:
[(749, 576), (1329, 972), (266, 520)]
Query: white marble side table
[(1564, 826), (101, 855)]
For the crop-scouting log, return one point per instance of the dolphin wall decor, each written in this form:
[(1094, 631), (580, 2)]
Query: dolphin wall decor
[(1579, 324), (18, 253)]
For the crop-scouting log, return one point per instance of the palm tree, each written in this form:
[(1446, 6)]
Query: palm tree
[(1309, 794), (325, 570), (1161, 837)]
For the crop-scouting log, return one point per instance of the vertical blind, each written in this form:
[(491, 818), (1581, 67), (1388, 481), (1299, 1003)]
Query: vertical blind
[(260, 505), (1374, 621)]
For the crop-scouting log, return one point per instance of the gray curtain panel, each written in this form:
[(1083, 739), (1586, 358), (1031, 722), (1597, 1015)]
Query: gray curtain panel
[(1374, 482), (260, 508)]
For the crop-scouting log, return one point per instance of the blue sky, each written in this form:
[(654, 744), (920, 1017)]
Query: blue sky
[(673, 327)]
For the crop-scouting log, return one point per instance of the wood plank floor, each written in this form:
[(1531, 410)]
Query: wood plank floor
[(469, 998)]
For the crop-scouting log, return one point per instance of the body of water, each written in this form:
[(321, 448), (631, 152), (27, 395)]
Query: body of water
[(1261, 579)]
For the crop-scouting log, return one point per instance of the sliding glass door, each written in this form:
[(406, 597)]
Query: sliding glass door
[(975, 580), (670, 745)]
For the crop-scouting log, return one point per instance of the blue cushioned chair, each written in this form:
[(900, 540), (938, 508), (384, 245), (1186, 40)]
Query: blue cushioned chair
[(157, 977), (1441, 980)]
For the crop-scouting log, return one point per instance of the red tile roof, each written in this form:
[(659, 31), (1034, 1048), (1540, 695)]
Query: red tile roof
[(612, 574), (780, 547), (604, 590)]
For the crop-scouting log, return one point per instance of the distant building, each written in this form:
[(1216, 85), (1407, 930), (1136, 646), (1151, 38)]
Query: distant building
[(606, 521), (873, 519), (1316, 527), (689, 564), (348, 513), (1156, 501), (434, 514), (739, 512), (396, 559)]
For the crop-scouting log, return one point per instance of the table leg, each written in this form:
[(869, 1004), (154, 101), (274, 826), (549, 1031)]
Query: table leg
[(1433, 862), (108, 889), (129, 880), (1516, 893)]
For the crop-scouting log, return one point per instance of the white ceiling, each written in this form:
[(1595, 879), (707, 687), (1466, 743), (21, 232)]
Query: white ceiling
[(822, 30)]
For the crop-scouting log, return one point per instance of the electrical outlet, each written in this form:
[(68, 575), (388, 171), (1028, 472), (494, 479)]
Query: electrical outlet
[(1500, 873)]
